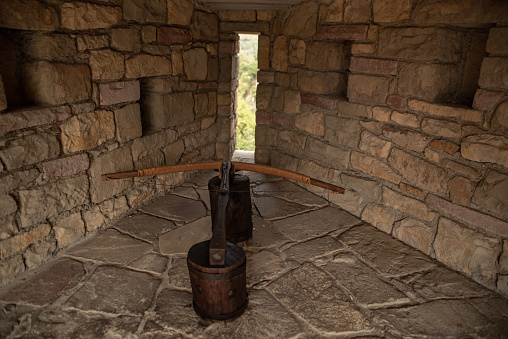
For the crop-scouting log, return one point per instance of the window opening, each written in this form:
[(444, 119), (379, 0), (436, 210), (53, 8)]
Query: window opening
[(246, 93)]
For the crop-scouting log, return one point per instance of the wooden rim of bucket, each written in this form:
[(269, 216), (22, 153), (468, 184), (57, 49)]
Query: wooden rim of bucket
[(197, 258)]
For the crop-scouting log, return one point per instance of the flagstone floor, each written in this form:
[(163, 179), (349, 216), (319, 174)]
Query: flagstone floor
[(313, 271)]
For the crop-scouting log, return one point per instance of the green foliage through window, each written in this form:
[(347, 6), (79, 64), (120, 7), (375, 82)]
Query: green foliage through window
[(247, 92)]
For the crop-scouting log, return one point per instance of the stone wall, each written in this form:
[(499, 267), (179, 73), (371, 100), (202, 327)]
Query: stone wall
[(108, 86), (404, 103)]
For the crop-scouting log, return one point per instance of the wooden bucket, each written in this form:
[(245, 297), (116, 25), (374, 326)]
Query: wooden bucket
[(219, 292), (239, 215)]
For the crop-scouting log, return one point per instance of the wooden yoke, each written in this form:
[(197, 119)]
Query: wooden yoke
[(217, 165)]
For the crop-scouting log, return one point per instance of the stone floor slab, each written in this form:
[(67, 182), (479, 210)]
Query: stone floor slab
[(178, 274), (385, 253), (47, 285), (440, 318), (144, 226), (117, 291), (180, 240), (363, 282), (264, 235), (111, 246), (311, 249), (150, 262), (289, 191), (263, 318), (313, 295), (176, 208), (315, 223), (262, 266), (441, 282), (274, 208)]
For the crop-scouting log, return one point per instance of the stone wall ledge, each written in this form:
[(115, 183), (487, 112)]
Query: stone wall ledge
[(341, 32), (474, 218), (445, 111), (31, 117)]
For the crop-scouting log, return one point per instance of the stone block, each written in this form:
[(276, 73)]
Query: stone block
[(195, 64), (237, 15), (65, 167), (379, 216), (318, 101), (444, 145), (498, 40), (419, 172), (407, 205), (357, 11), (263, 96), (265, 15), (485, 100), (406, 138), (406, 119), (28, 150), (381, 113), (468, 251), (368, 88), (85, 42), (391, 10), (374, 145), (396, 101), (142, 147), (491, 194), (499, 121), (284, 120), (49, 84), (411, 190), (312, 123), (107, 65), (145, 11), (327, 56), (46, 47), (292, 102), (205, 26), (179, 12), (202, 104), (264, 52), (432, 155), (97, 16), (7, 205), (26, 118), (342, 131), (3, 98), (231, 27), (421, 44), (190, 128), (301, 20), (41, 202), (486, 148), (359, 49), (280, 54), (117, 160), (460, 190), (322, 82), (297, 51), (36, 16), (148, 34), (461, 168), (373, 167), (291, 141), (373, 66), (494, 73), (471, 217), (128, 123), (125, 39), (179, 107), (341, 32), (11, 246), (414, 233), (69, 229), (441, 128), (445, 111), (463, 13), (145, 65), (265, 77), (334, 156), (173, 152), (18, 179), (369, 189), (87, 130), (119, 92), (433, 82), (173, 35)]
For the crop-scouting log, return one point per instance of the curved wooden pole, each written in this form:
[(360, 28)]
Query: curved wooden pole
[(216, 165)]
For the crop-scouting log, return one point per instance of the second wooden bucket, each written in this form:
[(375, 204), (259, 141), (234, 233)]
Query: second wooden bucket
[(219, 292), (239, 215)]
